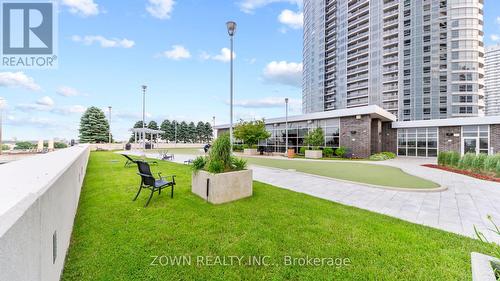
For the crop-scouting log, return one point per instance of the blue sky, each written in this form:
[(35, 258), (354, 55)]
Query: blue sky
[(108, 49)]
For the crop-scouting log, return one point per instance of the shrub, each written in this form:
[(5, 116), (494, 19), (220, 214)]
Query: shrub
[(237, 147), (328, 151), (341, 151), (302, 150), (467, 161), (315, 138), (199, 163), (5, 147), (379, 157), (390, 155), (454, 158), (478, 162), (497, 170), (60, 145), (238, 164), (490, 164), (24, 145)]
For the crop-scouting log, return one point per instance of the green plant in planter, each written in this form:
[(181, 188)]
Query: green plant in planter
[(251, 132), (341, 151), (315, 138), (199, 163), (219, 160), (497, 169), (302, 150), (328, 151)]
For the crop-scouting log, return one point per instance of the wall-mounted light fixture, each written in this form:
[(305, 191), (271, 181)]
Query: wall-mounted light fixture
[(358, 117)]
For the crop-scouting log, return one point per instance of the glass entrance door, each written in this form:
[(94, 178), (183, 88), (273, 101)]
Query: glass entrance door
[(470, 145)]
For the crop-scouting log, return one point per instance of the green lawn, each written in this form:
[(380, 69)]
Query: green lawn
[(357, 172), (117, 239)]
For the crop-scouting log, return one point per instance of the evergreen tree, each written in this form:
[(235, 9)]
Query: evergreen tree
[(94, 126), (209, 132), (166, 127), (191, 132), (137, 124), (182, 132), (154, 126), (200, 132), (174, 129)]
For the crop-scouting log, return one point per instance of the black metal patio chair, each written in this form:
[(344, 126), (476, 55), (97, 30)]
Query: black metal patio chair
[(131, 161), (150, 182)]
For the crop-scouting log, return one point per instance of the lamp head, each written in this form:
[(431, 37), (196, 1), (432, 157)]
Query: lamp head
[(231, 28), (286, 100), (144, 87)]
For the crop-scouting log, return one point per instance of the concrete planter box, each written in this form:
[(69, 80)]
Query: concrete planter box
[(250, 151), (482, 267), (224, 187), (314, 154)]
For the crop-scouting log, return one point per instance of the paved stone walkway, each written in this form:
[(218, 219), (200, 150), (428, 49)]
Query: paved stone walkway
[(466, 203)]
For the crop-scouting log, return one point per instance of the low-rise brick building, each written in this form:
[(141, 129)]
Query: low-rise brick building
[(370, 129)]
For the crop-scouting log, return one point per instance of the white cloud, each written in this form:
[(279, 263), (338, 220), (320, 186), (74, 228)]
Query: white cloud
[(66, 91), (82, 7), (223, 56), (292, 19), (498, 20), (3, 103), (103, 41), (72, 109), (161, 9), (177, 52), (248, 6), (18, 80), (45, 101), (494, 37), (268, 102), (287, 73), (129, 115)]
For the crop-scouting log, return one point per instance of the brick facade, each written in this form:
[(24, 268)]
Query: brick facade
[(376, 138), (389, 137), (355, 134), (495, 138), (449, 140)]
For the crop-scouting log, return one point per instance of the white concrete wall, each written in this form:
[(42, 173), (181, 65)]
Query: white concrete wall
[(39, 197)]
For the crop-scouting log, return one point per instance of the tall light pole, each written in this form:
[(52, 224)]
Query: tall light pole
[(175, 132), (231, 29), (286, 126), (213, 127), (144, 87), (109, 135), (1, 122)]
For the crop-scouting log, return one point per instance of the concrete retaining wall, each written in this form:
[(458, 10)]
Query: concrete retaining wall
[(38, 202)]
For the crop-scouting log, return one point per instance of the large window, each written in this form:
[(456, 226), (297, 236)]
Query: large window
[(297, 132), (421, 142), (475, 139)]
